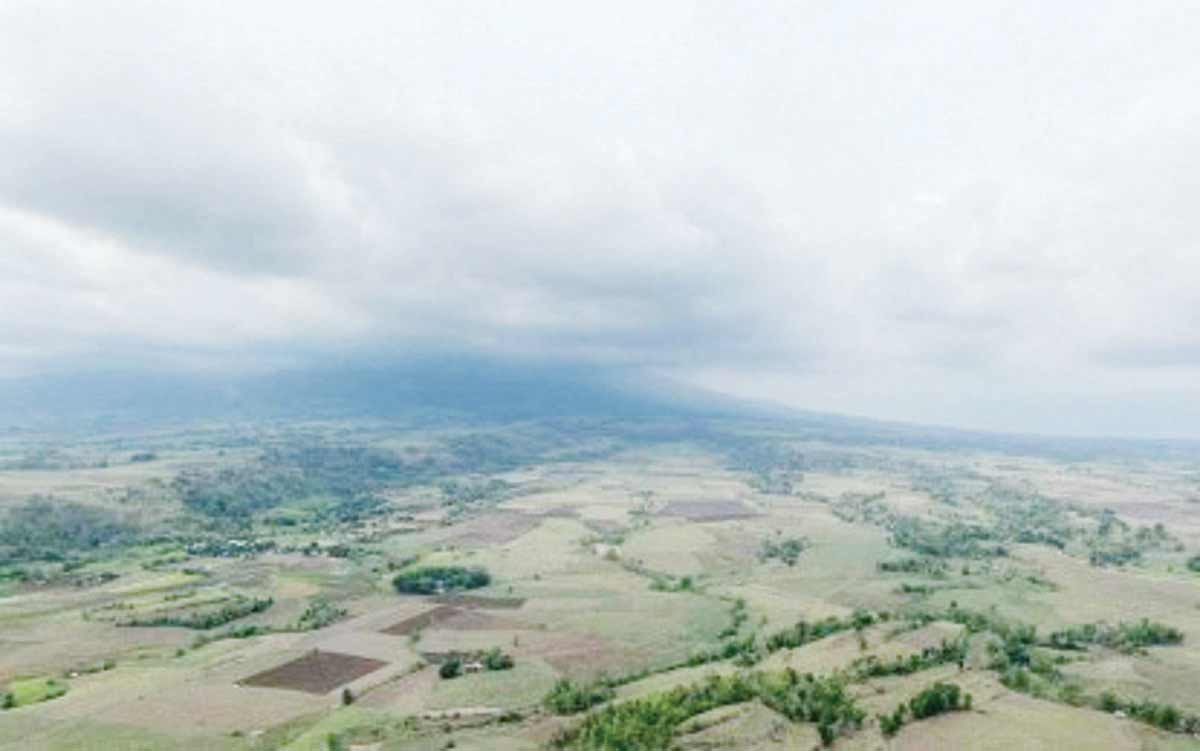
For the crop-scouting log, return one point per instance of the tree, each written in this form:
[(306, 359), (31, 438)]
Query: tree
[(451, 668)]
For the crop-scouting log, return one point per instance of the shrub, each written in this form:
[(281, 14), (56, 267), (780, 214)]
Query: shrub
[(494, 659), (569, 698), (451, 668)]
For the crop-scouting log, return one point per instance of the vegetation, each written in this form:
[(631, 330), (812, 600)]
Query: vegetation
[(930, 702), (804, 632), (319, 614), (948, 652), (785, 549), (28, 691), (651, 723), (931, 567), (53, 529), (430, 580), (568, 697), (493, 659), (239, 607), (1163, 716), (1124, 637)]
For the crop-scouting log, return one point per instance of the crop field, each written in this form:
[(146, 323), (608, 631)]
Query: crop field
[(316, 672), (234, 593)]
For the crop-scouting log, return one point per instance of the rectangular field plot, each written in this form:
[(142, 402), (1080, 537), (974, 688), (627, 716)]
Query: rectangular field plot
[(421, 620), (480, 601), (315, 673), (708, 511)]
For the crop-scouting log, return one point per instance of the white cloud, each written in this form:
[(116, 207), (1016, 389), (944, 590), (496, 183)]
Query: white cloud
[(936, 211)]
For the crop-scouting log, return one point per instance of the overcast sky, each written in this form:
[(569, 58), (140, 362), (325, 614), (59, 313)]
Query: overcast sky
[(977, 214)]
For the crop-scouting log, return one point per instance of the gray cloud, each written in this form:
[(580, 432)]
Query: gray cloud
[(942, 212)]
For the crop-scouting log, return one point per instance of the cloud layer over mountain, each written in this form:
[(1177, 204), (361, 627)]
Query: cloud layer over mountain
[(938, 211)]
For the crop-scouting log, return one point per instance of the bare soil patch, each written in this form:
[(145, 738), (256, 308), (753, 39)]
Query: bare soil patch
[(708, 511), (478, 620), (316, 672), (421, 620), (492, 529), (480, 601)]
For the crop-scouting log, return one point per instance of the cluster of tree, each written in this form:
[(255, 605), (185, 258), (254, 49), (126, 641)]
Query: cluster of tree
[(953, 540), (931, 567), (204, 620), (930, 702), (786, 549), (319, 614), (1115, 543), (948, 652), (745, 651), (492, 659), (866, 508), (1114, 554), (568, 697), (431, 580), (1164, 716), (650, 723), (346, 477), (469, 494), (1193, 564), (54, 529), (230, 547), (1124, 637), (1024, 516), (804, 632)]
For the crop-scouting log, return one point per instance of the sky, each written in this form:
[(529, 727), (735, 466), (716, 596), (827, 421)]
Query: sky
[(984, 215)]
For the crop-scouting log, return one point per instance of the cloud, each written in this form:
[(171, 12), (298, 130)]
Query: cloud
[(884, 212)]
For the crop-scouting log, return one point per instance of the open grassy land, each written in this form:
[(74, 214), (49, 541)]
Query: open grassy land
[(593, 585)]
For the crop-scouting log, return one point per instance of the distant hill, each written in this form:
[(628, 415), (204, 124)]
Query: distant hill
[(472, 389)]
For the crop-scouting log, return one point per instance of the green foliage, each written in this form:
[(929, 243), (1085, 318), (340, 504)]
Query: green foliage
[(953, 540), (785, 549), (1193, 564), (890, 724), (474, 494), (1163, 716), (568, 697), (495, 659), (53, 529), (430, 580), (204, 620), (938, 699), (319, 614), (931, 567), (1115, 554), (348, 476), (1124, 637), (948, 652), (650, 723), (804, 632), (451, 668)]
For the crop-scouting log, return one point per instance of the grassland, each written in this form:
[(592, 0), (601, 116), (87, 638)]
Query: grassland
[(180, 567)]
